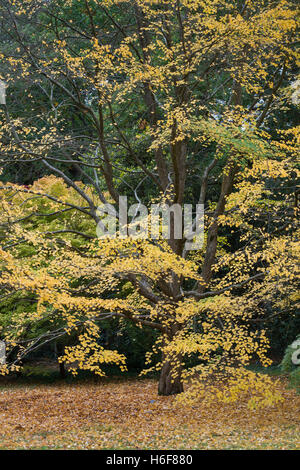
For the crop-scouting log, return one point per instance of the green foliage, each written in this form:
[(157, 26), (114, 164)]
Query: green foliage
[(128, 339)]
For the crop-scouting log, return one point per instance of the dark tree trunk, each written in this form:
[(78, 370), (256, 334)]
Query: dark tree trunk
[(62, 370), (59, 351), (170, 381)]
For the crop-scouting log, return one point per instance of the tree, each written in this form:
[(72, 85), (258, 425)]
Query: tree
[(172, 96)]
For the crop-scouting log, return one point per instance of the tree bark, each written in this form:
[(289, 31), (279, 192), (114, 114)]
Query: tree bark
[(59, 351), (62, 370), (170, 381)]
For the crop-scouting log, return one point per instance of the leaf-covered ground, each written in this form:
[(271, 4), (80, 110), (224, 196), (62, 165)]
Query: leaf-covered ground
[(130, 415)]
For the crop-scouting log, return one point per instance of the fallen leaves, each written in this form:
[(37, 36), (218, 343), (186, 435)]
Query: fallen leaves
[(130, 415)]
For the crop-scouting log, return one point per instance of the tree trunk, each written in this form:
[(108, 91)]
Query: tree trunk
[(170, 381), (62, 370), (59, 351)]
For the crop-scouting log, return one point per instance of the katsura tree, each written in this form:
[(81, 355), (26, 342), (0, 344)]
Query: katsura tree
[(162, 102)]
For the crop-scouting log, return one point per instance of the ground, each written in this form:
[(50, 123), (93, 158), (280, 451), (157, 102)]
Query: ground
[(128, 414)]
